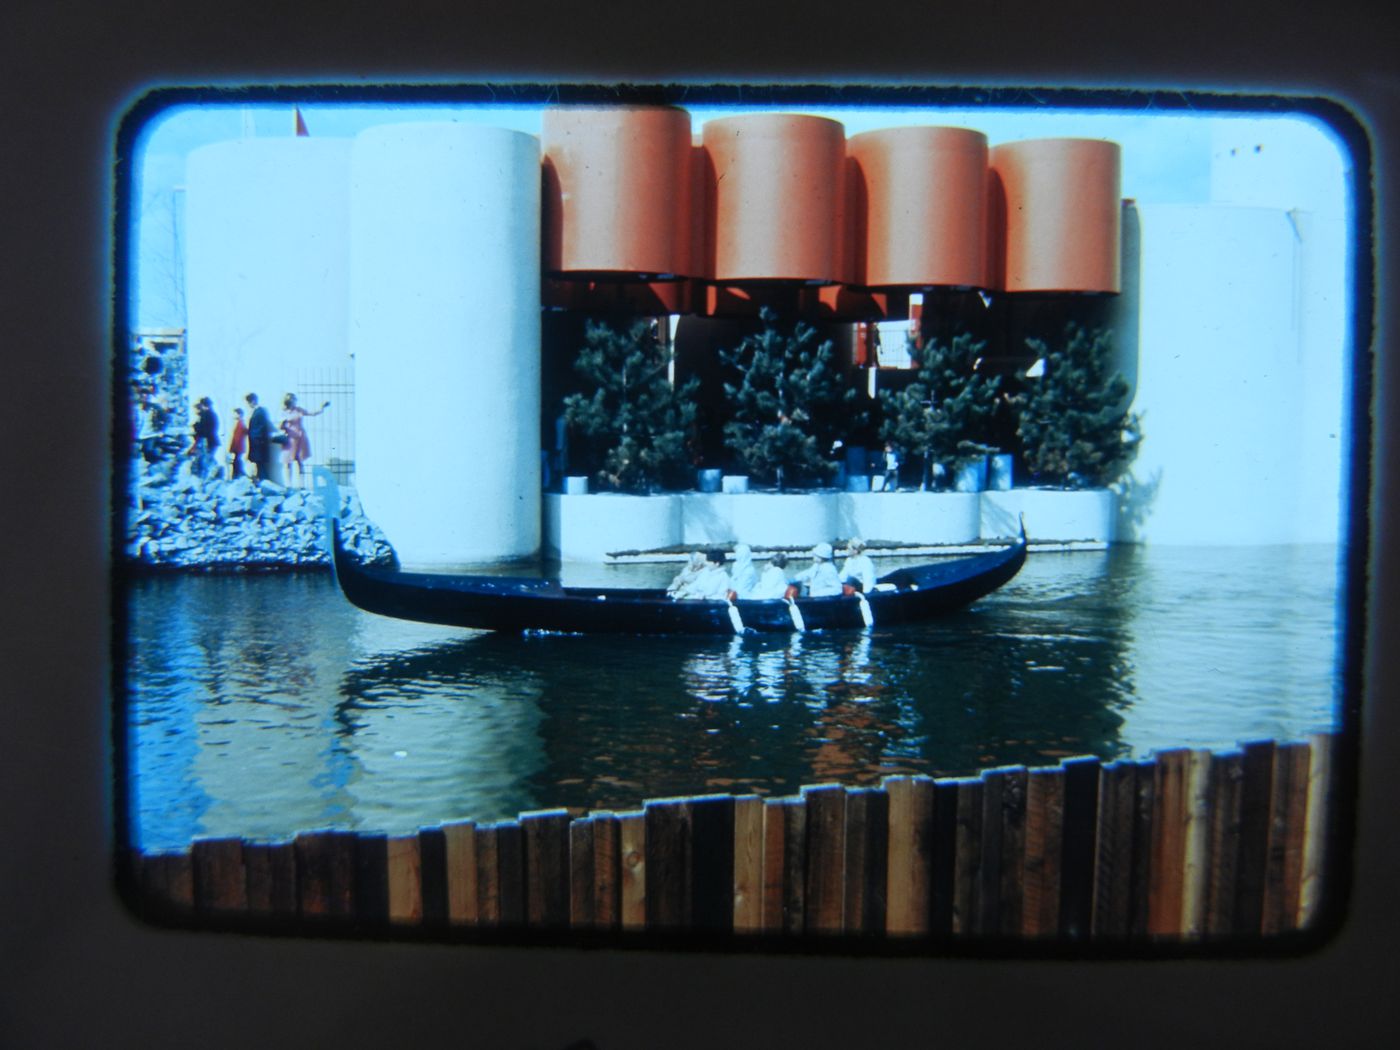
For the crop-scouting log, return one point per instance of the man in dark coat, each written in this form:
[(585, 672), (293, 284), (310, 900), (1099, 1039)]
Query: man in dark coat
[(206, 437), (259, 437)]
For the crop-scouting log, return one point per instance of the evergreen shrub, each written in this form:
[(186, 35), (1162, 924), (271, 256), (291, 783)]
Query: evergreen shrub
[(1075, 429), (634, 428)]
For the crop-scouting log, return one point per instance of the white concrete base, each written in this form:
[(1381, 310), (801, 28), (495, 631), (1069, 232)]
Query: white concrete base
[(909, 517), (1057, 515), (766, 518), (588, 528)]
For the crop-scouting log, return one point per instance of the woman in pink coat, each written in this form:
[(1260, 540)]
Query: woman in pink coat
[(298, 447)]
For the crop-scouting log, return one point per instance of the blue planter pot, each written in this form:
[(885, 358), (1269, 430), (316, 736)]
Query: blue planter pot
[(999, 479), (709, 480), (971, 477)]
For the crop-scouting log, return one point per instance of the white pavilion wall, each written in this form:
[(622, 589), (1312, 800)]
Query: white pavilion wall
[(1221, 383), (445, 332), (267, 272)]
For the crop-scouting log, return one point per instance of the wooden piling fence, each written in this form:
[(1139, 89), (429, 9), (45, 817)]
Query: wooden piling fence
[(1186, 846)]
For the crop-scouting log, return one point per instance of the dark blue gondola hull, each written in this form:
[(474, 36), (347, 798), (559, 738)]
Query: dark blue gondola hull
[(507, 604)]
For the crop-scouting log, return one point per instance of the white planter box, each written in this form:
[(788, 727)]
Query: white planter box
[(768, 518), (910, 517), (588, 528), (1052, 515)]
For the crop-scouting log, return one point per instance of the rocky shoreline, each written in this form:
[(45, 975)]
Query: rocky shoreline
[(178, 520)]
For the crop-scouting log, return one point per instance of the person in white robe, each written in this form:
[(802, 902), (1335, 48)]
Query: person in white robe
[(773, 582), (821, 579), (744, 576), (858, 570)]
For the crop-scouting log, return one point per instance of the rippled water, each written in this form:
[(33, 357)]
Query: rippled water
[(259, 706)]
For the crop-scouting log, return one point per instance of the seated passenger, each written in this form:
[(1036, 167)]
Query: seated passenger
[(774, 581), (859, 571), (687, 575), (821, 580), (711, 583), (744, 575)]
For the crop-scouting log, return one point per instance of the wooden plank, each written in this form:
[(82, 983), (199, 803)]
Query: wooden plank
[(1226, 777), (1077, 859), (488, 875), (405, 868), (272, 878), (546, 838), (712, 863), (825, 887), (325, 874), (1013, 851), (1320, 818), (1140, 884), (1045, 808), (774, 838), (1288, 814), (1254, 837), (220, 879), (432, 852), (1113, 859), (510, 864), (167, 880), (967, 888), (461, 872), (748, 864), (794, 865), (907, 893), (867, 859), (988, 903), (607, 871), (1195, 888), (371, 878), (632, 842), (668, 865), (943, 857), (581, 860), (1168, 843)]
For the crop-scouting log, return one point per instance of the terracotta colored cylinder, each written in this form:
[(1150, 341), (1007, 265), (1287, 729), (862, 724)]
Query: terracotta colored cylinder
[(617, 191), (776, 205), (1062, 214), (920, 207)]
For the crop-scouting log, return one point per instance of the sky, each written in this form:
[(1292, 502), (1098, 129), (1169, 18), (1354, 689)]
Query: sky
[(1167, 157)]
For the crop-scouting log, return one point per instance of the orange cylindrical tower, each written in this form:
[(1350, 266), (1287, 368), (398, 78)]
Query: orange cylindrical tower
[(1062, 214), (920, 203), (776, 202), (617, 191)]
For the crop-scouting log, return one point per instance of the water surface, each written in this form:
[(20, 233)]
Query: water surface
[(259, 706)]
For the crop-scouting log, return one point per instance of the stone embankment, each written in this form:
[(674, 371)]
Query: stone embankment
[(179, 520)]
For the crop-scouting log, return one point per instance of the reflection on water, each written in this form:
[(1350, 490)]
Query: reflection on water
[(260, 706)]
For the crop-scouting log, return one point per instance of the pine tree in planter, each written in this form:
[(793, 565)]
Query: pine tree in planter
[(788, 403), (944, 416), (1074, 427), (635, 427)]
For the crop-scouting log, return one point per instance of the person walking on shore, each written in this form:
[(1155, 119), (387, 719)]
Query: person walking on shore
[(205, 447), (259, 437), (238, 444), (298, 447)]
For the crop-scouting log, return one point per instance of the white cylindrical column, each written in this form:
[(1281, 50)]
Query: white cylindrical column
[(445, 331)]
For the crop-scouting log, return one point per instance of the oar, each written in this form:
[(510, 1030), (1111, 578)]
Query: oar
[(735, 619), (796, 614), (865, 613)]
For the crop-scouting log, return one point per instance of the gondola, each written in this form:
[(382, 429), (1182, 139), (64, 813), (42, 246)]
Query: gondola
[(501, 603)]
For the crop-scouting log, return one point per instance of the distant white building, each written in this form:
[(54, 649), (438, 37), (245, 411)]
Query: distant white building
[(407, 262)]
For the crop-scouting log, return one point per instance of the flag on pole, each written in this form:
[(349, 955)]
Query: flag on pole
[(300, 124)]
